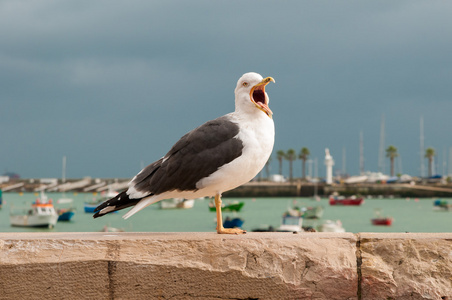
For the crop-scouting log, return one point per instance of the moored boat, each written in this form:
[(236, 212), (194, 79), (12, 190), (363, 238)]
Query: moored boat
[(290, 224), (309, 212), (233, 223), (340, 200), (331, 226), (41, 214), (264, 228), (442, 205), (111, 229), (90, 206), (227, 207), (65, 214), (382, 221), (176, 203), (64, 200)]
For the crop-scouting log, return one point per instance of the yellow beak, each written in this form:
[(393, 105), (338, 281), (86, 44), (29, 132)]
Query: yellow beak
[(259, 97)]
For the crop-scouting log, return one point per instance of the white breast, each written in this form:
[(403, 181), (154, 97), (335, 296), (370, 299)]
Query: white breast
[(257, 133)]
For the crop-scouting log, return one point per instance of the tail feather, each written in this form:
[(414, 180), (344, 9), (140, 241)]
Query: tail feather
[(142, 204), (116, 203)]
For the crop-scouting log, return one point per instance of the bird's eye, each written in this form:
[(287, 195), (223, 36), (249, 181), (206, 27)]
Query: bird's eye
[(245, 83)]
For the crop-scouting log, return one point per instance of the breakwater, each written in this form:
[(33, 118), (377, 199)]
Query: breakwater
[(252, 189), (265, 189), (211, 266)]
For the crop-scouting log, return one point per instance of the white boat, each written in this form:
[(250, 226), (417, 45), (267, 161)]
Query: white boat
[(288, 224), (176, 203), (64, 200), (331, 226), (356, 179), (376, 177), (41, 214), (291, 224), (111, 229)]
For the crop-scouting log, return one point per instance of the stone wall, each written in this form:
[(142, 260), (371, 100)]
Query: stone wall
[(211, 266)]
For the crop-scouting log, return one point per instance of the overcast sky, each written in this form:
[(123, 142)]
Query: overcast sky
[(114, 84)]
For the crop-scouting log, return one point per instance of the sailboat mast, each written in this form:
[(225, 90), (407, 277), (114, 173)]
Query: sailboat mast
[(450, 162), (63, 177), (381, 153), (316, 175), (361, 152), (344, 171), (421, 140)]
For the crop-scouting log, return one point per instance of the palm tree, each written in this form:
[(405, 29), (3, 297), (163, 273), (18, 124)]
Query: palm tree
[(304, 155), (391, 152), (291, 155), (280, 156), (430, 154)]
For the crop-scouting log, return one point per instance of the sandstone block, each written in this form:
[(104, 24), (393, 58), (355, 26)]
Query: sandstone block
[(178, 266), (406, 265)]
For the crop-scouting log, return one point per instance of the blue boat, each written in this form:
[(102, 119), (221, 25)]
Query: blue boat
[(90, 207), (442, 205), (65, 214), (233, 223)]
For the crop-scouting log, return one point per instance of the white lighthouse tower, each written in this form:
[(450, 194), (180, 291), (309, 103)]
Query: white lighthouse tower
[(329, 163)]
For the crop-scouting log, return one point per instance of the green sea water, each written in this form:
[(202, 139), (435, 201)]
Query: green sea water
[(410, 215)]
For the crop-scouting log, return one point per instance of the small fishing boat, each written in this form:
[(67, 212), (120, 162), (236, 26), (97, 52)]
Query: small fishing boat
[(176, 203), (65, 214), (233, 223), (331, 226), (341, 200), (41, 214), (64, 200), (227, 207), (290, 224), (442, 205), (264, 228), (111, 229), (90, 206), (380, 220), (309, 212)]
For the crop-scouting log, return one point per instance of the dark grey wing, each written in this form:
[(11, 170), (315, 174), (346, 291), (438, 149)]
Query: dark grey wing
[(196, 155)]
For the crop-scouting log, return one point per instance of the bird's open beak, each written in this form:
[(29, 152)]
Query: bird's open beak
[(259, 97)]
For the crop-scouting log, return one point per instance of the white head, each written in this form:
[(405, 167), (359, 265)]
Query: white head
[(250, 95)]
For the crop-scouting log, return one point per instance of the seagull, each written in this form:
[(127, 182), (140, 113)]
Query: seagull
[(213, 158)]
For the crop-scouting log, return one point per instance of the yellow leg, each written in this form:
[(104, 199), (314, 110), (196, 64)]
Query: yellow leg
[(220, 228)]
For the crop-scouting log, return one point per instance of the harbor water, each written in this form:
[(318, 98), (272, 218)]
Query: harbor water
[(410, 215)]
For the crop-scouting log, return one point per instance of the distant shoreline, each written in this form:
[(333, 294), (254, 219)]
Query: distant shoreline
[(252, 189)]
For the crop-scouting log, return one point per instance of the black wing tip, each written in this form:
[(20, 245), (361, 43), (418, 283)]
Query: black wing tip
[(105, 204), (116, 203), (97, 211)]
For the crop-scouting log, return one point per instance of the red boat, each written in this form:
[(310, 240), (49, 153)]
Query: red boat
[(382, 221), (336, 200)]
